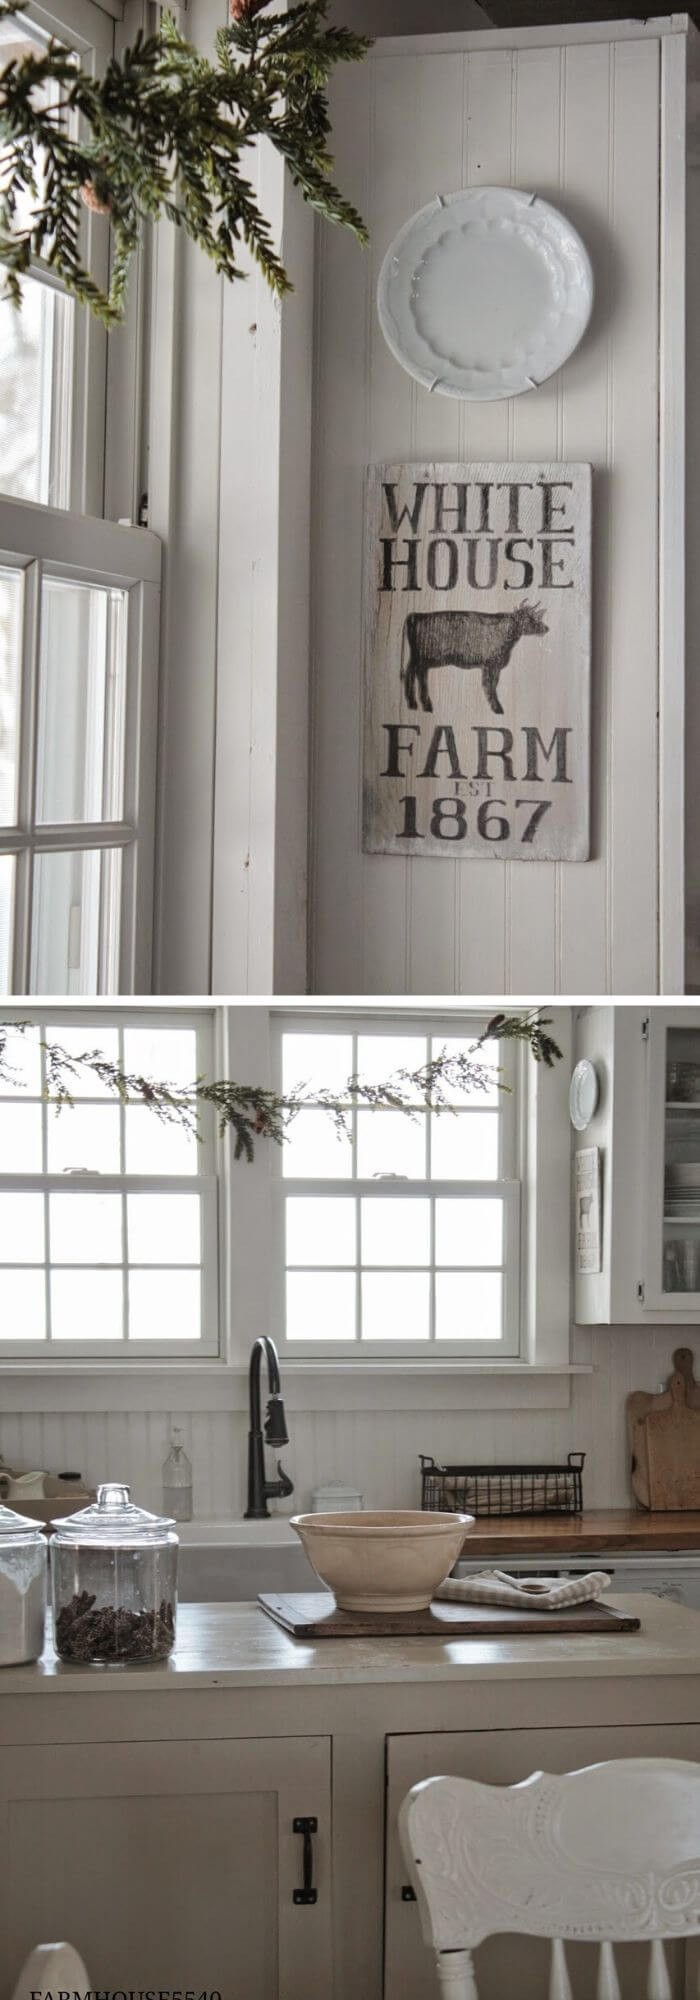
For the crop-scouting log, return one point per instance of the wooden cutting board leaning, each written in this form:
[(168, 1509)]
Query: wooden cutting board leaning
[(315, 1615), (664, 1436)]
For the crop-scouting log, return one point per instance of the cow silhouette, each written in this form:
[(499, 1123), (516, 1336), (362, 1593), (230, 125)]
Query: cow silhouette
[(483, 639)]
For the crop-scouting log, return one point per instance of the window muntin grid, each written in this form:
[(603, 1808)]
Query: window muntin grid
[(96, 1256), (421, 1253)]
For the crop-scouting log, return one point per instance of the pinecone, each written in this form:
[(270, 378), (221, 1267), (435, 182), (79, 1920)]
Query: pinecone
[(99, 204), (241, 10)]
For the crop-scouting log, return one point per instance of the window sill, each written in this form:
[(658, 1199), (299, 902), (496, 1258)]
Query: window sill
[(307, 1386)]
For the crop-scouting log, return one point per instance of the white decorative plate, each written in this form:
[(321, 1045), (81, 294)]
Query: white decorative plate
[(584, 1092), (485, 293)]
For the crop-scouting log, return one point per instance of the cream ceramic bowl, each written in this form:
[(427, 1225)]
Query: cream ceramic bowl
[(382, 1562)]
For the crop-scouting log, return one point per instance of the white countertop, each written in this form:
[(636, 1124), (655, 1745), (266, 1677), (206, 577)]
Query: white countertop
[(237, 1646)]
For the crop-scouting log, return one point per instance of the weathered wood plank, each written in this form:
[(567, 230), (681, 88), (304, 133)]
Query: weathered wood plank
[(477, 660)]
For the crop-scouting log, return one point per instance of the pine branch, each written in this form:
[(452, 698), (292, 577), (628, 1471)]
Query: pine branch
[(165, 134), (252, 1112)]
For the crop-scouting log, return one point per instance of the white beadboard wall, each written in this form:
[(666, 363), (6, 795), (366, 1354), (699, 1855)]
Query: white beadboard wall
[(581, 124), (378, 1453)]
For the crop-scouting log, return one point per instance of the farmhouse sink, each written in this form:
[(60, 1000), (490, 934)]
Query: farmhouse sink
[(231, 1561)]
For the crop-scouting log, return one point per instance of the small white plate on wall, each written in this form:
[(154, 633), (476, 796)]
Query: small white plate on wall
[(485, 293)]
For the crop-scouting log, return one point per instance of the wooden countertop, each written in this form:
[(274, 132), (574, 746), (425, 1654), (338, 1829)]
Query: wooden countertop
[(621, 1528), (233, 1646)]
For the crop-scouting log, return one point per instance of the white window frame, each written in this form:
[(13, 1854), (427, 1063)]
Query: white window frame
[(121, 1354), (33, 539), (86, 28), (508, 1187)]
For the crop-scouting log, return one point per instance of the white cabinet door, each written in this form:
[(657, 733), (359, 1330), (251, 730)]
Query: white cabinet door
[(171, 1866), (672, 1217), (504, 1965)]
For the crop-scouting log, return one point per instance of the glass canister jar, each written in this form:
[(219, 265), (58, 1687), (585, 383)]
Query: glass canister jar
[(22, 1588), (114, 1582)]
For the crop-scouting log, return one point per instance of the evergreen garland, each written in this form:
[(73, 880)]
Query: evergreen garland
[(165, 132), (253, 1112)]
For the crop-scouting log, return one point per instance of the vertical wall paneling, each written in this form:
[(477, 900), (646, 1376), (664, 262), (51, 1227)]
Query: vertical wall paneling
[(692, 745), (672, 510), (436, 433), (538, 145), (375, 1450), (393, 192), (586, 939), (576, 117), (633, 749), (341, 440), (483, 893)]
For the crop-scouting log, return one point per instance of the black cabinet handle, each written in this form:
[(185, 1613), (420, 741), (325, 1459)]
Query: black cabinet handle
[(308, 1894)]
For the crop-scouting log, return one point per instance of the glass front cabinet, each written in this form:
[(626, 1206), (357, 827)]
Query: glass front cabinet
[(647, 1129)]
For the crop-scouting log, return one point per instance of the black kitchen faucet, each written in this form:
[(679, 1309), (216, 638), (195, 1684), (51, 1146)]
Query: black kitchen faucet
[(260, 1489)]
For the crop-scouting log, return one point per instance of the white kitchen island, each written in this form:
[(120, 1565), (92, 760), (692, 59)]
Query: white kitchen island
[(148, 1812)]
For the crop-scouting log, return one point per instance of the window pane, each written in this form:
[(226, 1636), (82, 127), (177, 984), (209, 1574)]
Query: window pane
[(313, 1147), (491, 1055), (465, 1145), (155, 1148), (23, 1056), (468, 1232), (75, 922), (22, 1305), (86, 1305), (10, 664), (84, 1139), (82, 680), (85, 1228), (7, 899), (22, 1228), (164, 1305), (320, 1231), (20, 1138), (389, 1142), (395, 1232), (87, 1041), (168, 1054), (164, 1228), (36, 357), (320, 1305), (395, 1305), (468, 1305), (380, 1056), (316, 1061)]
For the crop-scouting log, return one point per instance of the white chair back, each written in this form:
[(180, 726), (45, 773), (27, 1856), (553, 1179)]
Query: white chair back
[(54, 1969), (606, 1855)]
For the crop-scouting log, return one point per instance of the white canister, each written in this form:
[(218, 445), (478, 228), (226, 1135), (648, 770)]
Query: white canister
[(336, 1499), (23, 1567)]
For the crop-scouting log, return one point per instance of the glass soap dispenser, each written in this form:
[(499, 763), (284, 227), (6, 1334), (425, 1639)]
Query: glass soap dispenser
[(114, 1582), (177, 1480)]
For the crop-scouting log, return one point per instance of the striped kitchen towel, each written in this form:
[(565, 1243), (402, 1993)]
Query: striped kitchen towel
[(539, 1593)]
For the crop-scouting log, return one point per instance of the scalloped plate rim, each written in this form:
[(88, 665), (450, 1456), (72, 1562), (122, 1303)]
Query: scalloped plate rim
[(508, 381)]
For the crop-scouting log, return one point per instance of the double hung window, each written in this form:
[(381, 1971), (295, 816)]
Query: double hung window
[(108, 1217), (402, 1235), (79, 603)]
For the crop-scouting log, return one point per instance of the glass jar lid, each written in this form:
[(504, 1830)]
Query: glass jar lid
[(113, 1517), (17, 1527)]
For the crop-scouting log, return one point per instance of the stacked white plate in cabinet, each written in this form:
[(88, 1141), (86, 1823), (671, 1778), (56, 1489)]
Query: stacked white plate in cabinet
[(485, 292)]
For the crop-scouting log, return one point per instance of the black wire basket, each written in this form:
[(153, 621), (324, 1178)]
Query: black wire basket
[(503, 1489)]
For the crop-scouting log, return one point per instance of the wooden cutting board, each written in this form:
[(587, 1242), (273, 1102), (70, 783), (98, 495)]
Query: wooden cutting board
[(664, 1435), (315, 1615)]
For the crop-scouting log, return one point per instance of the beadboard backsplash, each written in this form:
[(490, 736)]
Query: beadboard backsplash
[(377, 1452)]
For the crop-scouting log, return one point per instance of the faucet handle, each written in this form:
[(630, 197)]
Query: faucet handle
[(284, 1485)]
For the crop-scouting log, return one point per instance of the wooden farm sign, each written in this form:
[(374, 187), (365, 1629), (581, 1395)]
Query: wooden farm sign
[(477, 661)]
